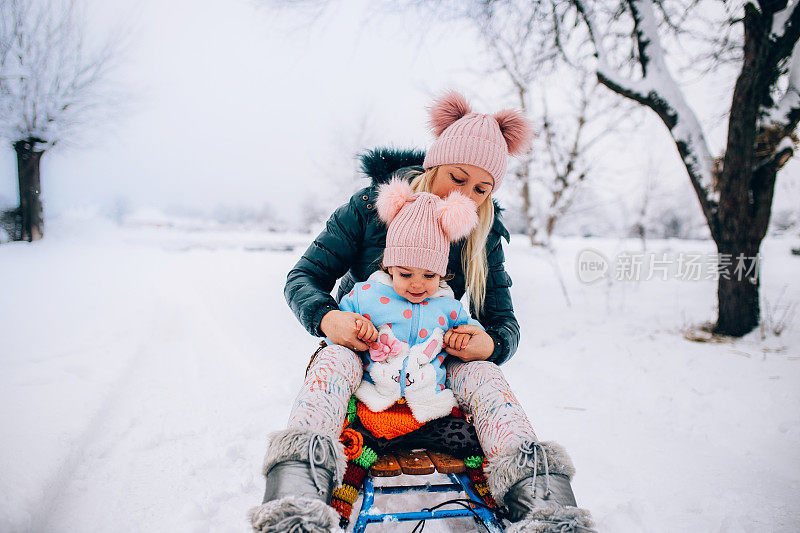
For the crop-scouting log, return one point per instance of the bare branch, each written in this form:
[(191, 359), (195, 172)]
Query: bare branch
[(51, 81), (785, 113), (659, 91)]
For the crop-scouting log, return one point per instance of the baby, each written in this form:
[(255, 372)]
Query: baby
[(410, 302)]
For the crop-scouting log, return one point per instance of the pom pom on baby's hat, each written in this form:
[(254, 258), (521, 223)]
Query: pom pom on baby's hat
[(392, 197), (446, 110), (458, 216), (516, 129)]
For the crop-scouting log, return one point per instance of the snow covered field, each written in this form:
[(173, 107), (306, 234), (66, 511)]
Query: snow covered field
[(142, 369)]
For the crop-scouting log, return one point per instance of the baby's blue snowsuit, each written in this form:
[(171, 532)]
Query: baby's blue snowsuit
[(410, 322)]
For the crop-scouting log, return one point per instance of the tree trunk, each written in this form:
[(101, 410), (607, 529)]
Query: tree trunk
[(737, 288), (30, 203), (746, 184)]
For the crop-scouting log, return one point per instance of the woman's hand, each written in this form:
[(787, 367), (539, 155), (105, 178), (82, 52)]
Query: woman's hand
[(468, 343), (344, 327)]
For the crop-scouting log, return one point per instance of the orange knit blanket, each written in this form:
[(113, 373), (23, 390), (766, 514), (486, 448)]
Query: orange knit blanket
[(395, 421)]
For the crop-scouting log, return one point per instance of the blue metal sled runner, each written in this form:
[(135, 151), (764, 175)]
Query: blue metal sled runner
[(470, 507)]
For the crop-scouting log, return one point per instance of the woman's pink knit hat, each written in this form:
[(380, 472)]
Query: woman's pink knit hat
[(477, 139), (422, 225)]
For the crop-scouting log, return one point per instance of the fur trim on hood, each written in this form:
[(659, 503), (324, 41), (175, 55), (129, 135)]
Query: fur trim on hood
[(379, 164)]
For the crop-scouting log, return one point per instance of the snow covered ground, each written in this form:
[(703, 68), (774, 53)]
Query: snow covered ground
[(142, 369)]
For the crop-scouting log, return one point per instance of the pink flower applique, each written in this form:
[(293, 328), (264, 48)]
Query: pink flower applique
[(385, 347)]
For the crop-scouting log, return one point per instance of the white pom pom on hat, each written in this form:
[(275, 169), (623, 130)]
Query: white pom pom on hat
[(458, 215), (392, 197)]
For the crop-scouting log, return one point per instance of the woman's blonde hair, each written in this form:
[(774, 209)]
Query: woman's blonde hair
[(473, 255)]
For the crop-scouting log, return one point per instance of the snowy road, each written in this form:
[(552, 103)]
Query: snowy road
[(141, 374)]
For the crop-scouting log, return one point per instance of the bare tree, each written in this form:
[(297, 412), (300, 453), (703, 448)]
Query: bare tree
[(658, 211), (562, 156), (53, 84), (339, 173), (517, 36), (735, 190), (639, 226)]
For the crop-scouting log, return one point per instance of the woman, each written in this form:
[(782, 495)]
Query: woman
[(306, 461)]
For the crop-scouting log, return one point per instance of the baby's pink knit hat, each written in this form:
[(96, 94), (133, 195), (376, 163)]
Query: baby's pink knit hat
[(422, 225), (477, 139)]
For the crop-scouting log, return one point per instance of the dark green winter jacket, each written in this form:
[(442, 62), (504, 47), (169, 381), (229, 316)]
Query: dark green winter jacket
[(351, 246)]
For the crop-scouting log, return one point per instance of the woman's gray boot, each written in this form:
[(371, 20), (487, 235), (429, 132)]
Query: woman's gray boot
[(302, 468), (533, 483)]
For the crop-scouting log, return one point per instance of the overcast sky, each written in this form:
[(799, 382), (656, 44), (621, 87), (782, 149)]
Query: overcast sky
[(235, 103), (239, 104)]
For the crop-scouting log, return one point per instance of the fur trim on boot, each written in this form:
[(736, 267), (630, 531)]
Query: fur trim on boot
[(513, 465), (301, 467), (555, 519), (295, 515), (294, 444)]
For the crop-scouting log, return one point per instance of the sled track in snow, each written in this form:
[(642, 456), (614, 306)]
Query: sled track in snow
[(56, 486)]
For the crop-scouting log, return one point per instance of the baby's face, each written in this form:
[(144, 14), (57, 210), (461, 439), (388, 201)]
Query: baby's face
[(414, 284)]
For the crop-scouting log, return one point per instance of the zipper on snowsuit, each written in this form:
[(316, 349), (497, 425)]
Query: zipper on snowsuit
[(415, 318)]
